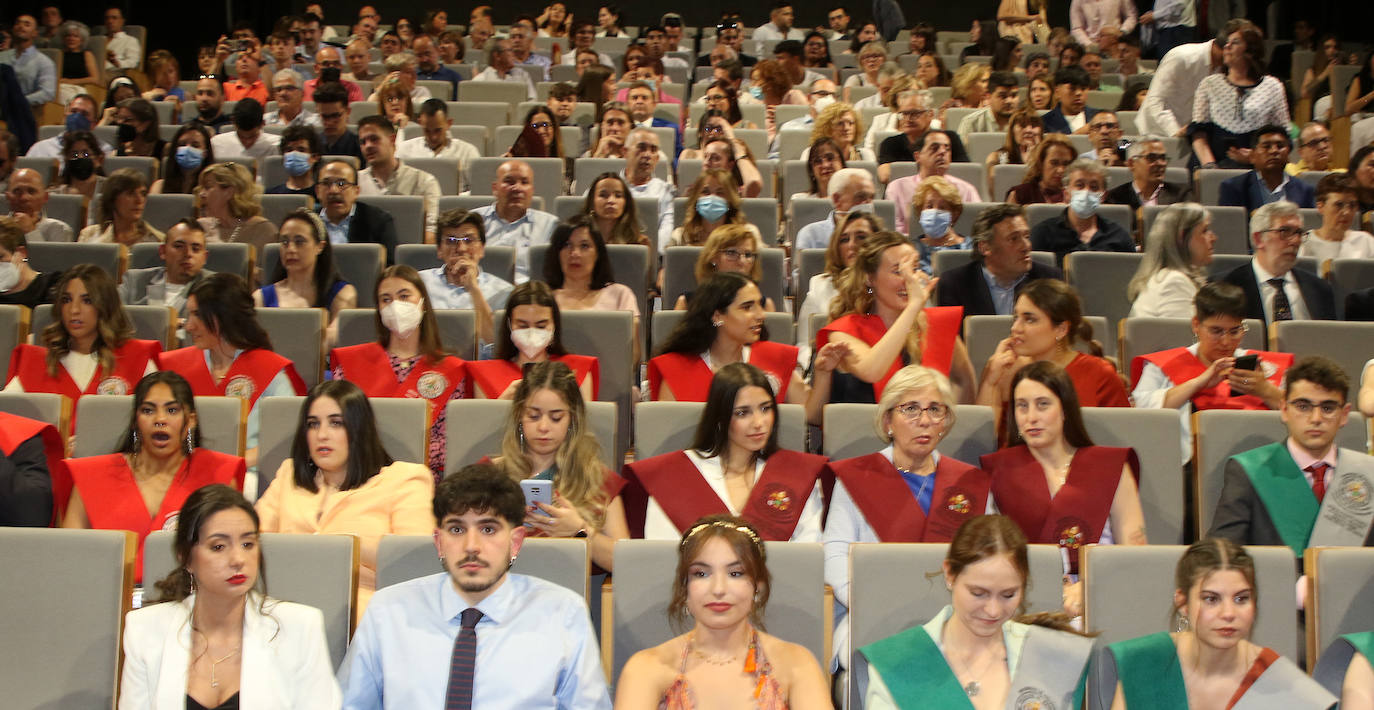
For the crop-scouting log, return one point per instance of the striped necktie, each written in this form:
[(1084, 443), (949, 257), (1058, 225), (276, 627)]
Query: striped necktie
[(463, 664)]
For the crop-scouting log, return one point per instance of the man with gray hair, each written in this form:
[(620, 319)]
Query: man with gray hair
[(1001, 252), (402, 67), (501, 67), (642, 155), (913, 117), (1147, 160), (1274, 289), (288, 90), (1078, 228)]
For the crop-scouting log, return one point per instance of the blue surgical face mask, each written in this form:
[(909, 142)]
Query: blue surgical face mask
[(78, 122), (189, 158), (712, 207), (296, 163), (1084, 203), (935, 222), (756, 92)]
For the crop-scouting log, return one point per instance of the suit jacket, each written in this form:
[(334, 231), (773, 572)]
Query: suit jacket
[(1249, 191), (1359, 305), (1316, 293), (657, 122), (1125, 194), (1054, 121), (1241, 516), (139, 285), (285, 662), (966, 287), (373, 224)]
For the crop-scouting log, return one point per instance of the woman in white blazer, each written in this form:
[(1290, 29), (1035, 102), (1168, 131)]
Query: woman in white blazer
[(217, 641), (1177, 252)]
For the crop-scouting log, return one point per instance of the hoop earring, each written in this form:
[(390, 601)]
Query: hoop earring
[(1181, 622), (717, 323)]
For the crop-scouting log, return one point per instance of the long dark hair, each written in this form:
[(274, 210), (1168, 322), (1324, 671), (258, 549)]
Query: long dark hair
[(225, 305), (562, 234), (744, 539), (1053, 377), (176, 179), (713, 429), (366, 454), (181, 392), (555, 147), (695, 332), (626, 229), (430, 344), (530, 293), (326, 275), (589, 86), (732, 112), (203, 503)]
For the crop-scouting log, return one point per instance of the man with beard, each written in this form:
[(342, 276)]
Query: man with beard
[(1274, 288), (210, 103), (346, 220), (423, 630)]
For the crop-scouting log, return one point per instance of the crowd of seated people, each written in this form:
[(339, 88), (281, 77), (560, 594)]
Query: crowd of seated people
[(878, 200)]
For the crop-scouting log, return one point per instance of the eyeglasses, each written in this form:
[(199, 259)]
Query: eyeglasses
[(1287, 233), (1154, 157), (822, 93), (336, 182), (913, 114), (738, 255), (1316, 142), (912, 411), (1328, 408), (1235, 332), (461, 241)]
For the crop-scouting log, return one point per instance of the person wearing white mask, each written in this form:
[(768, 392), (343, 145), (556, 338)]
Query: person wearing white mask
[(530, 333), (407, 359), (1078, 228), (937, 206), (459, 281)]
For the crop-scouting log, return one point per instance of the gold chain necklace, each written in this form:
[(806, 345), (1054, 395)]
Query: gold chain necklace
[(214, 682)]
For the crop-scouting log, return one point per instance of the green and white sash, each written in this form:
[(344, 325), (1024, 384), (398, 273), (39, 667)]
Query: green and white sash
[(1343, 518)]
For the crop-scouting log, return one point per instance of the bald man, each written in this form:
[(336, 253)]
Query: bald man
[(27, 198)]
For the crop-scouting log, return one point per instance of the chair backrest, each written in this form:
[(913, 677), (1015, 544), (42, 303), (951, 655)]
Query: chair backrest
[(629, 265), (1122, 215), (1100, 277), (150, 322), (142, 164), (643, 575), (849, 432), (1348, 275), (476, 426), (586, 169), (14, 329), (1347, 343), (780, 327), (1231, 225), (63, 595), (165, 210), (1209, 183), (492, 92), (102, 420), (298, 335), (1128, 591), (444, 170), (1004, 178), (563, 561), (1142, 336), (359, 264), (548, 176), (662, 427), (315, 570), (61, 256), (53, 409), (402, 424), (1219, 434), (457, 329), (679, 264), (1340, 599), (408, 211), (1154, 434)]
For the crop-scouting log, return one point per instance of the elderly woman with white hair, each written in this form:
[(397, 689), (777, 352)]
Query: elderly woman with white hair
[(851, 189), (907, 491), (1177, 252), (78, 63)]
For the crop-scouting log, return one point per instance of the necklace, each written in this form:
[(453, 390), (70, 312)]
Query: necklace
[(926, 478), (214, 682), (721, 660), (974, 685)]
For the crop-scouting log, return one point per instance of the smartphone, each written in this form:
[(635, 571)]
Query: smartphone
[(537, 492), (1247, 362)]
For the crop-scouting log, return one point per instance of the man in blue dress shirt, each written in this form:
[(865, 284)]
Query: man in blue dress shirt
[(534, 644)]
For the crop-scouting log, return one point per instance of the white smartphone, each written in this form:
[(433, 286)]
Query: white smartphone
[(537, 492)]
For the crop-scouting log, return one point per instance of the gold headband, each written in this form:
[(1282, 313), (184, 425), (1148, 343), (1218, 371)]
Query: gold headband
[(748, 531)]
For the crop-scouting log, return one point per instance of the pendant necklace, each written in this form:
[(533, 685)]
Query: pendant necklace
[(974, 686), (214, 682)]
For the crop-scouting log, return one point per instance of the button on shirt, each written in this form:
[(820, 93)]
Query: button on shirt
[(405, 180), (1267, 293), (535, 648), (445, 294), (533, 229), (338, 233)]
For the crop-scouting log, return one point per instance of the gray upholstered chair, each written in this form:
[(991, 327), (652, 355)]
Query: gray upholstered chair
[(476, 426), (663, 427), (102, 420), (563, 561)]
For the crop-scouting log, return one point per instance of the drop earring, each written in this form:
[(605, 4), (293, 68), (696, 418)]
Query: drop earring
[(521, 431), (190, 440), (138, 441), (192, 577)]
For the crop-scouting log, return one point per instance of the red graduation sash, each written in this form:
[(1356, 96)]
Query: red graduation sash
[(113, 501), (369, 366), (494, 376), (690, 379), (1078, 512), (774, 505), (1180, 366), (131, 359), (937, 342), (248, 375), (15, 430), (886, 501)]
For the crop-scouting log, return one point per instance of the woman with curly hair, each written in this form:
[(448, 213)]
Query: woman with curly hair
[(732, 247), (395, 103), (842, 124), (772, 84), (1024, 131), (230, 207), (123, 197)]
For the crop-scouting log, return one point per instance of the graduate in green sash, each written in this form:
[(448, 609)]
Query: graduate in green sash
[(1209, 660), (979, 653), (1344, 668)]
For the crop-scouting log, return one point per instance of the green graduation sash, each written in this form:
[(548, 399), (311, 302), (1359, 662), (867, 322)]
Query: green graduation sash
[(1334, 661), (915, 672), (1148, 670), (1284, 490)]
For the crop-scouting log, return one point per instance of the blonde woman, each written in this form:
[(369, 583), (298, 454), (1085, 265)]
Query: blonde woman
[(734, 248), (936, 206), (871, 59), (1177, 252), (844, 246), (842, 124), (712, 201), (229, 203)]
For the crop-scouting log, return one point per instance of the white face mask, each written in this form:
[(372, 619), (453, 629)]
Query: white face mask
[(822, 103), (531, 341), (402, 317), (9, 275)]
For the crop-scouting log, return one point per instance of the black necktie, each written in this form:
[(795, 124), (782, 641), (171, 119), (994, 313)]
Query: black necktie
[(1283, 310), (463, 664)]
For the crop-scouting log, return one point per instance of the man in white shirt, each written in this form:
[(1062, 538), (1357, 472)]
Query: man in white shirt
[(820, 95), (501, 67), (642, 156), (993, 118), (386, 175), (247, 138), (778, 27), (656, 41), (437, 142), (460, 281), (27, 197), (1168, 107), (1274, 289), (36, 73), (121, 50), (933, 154), (288, 90), (583, 37), (838, 17), (510, 221)]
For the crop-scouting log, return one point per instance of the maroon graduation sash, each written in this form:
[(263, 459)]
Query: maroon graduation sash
[(689, 377), (494, 376), (247, 377), (937, 343), (15, 430), (131, 359), (774, 505), (369, 367), (886, 501), (1179, 366), (1078, 512)]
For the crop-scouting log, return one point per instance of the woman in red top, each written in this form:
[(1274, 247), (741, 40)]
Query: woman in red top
[(88, 348), (530, 332), (407, 360), (141, 487), (881, 319), (1048, 318)]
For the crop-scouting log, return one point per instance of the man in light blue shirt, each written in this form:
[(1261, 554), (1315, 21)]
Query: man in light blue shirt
[(459, 281), (510, 221), (36, 73), (533, 647)]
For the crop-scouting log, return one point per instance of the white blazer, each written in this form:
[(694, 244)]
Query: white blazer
[(285, 662)]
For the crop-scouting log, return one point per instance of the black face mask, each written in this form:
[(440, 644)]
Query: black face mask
[(125, 133), (330, 74), (80, 168)]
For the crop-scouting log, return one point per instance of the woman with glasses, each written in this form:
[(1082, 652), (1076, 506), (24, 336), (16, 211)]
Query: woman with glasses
[(395, 103), (1229, 107), (83, 167), (721, 96), (871, 59), (1207, 374), (816, 54), (730, 248), (1177, 252)]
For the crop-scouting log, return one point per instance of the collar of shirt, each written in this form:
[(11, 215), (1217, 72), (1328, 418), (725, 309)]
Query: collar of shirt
[(996, 285), (1276, 193), (1154, 196), (343, 222), (495, 607), (443, 275), (496, 215), (1305, 460), (1263, 276)]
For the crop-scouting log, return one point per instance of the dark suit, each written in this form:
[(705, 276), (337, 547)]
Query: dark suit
[(1359, 305), (1250, 192), (965, 286), (1125, 194), (141, 284), (372, 224), (1316, 293), (1054, 121)]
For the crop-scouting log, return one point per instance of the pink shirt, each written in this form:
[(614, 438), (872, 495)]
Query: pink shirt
[(355, 92), (1305, 461), (901, 190)]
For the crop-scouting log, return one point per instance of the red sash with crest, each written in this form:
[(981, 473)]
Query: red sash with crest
[(1078, 512), (877, 488), (774, 506), (1179, 366), (131, 359), (494, 376), (113, 501), (937, 343), (690, 379), (248, 375), (369, 366), (15, 430)]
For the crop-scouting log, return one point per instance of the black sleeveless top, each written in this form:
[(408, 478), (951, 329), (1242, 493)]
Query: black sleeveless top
[(73, 65), (230, 703)]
